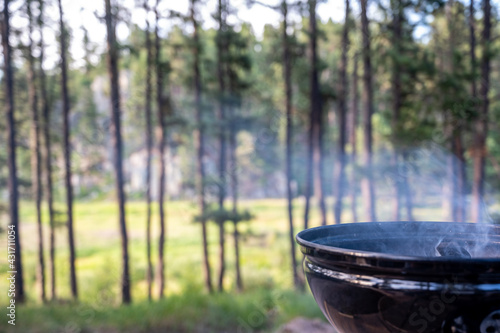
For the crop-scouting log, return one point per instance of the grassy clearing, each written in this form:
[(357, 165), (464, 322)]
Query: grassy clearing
[(267, 278), (267, 302)]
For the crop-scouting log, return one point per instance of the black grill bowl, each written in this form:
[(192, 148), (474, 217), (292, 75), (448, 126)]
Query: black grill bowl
[(405, 276)]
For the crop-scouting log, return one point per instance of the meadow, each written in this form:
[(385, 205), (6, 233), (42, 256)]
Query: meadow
[(268, 299)]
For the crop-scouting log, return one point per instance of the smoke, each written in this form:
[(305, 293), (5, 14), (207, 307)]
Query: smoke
[(414, 239), (425, 177)]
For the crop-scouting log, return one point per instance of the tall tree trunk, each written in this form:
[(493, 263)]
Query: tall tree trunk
[(11, 155), (149, 147), (406, 191), (117, 144), (233, 162), (162, 137), (199, 145), (287, 76), (482, 123), (67, 154), (461, 177), (343, 91), (397, 36), (315, 154), (456, 163), (472, 49), (354, 126), (47, 154), (35, 154), (221, 50), (367, 187)]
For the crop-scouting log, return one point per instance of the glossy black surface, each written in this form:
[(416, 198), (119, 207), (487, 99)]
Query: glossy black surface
[(405, 276)]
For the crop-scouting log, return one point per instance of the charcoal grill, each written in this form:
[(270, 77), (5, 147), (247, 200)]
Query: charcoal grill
[(405, 276)]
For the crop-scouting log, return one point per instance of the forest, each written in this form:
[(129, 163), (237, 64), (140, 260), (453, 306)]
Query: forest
[(156, 164)]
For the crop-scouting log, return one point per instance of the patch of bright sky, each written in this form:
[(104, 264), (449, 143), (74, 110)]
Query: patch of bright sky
[(78, 14), (83, 13)]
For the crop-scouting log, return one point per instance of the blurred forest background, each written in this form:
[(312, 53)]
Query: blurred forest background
[(169, 168)]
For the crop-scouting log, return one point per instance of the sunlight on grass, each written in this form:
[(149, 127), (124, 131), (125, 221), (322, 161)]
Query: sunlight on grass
[(264, 258)]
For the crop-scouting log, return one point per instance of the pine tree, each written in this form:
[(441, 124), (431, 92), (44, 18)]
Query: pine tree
[(482, 123), (47, 152), (67, 153), (117, 145), (162, 138), (149, 147), (11, 151), (367, 187), (35, 152), (199, 144), (342, 101)]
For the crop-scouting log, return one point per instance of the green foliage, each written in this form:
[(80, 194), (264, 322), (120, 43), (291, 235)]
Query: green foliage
[(219, 216)]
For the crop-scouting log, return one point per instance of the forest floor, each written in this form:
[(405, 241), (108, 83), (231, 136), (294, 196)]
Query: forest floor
[(267, 302)]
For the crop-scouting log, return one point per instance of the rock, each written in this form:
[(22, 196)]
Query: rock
[(301, 325)]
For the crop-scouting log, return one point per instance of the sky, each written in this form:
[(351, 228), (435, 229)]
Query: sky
[(78, 13)]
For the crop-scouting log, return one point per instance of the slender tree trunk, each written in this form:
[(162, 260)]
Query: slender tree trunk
[(162, 137), (35, 154), (343, 91), (367, 187), (233, 162), (315, 154), (199, 145), (398, 179), (221, 48), (319, 174), (287, 76), (456, 163), (149, 147), (480, 152), (397, 12), (354, 126), (473, 64), (117, 144), (407, 192), (11, 154), (47, 155), (472, 49), (67, 154), (461, 177)]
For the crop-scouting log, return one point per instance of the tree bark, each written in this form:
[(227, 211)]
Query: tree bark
[(199, 145), (149, 147), (287, 76), (162, 137), (367, 187), (112, 61), (473, 64), (12, 182), (397, 36), (47, 154), (472, 49), (67, 154), (407, 192), (315, 149), (221, 114), (461, 177), (233, 162), (454, 129), (354, 126), (343, 94), (480, 152), (35, 154)]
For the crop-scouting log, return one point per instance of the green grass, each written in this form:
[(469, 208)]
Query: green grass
[(267, 301)]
